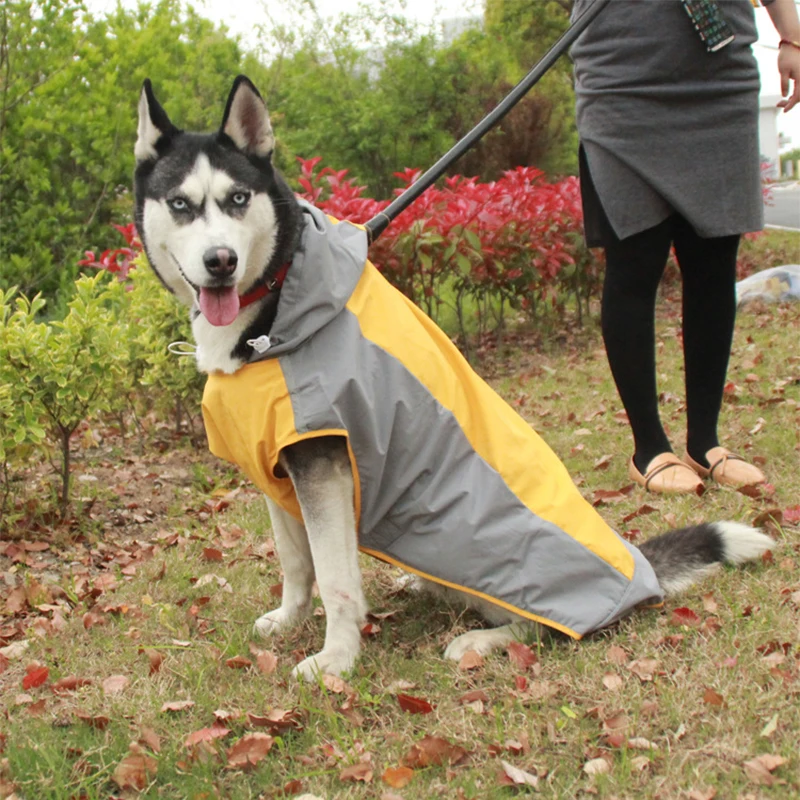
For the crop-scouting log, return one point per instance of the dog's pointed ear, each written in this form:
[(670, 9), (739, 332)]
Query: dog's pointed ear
[(153, 124), (246, 119)]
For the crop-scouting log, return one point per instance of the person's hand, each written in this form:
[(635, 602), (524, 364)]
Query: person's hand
[(789, 69)]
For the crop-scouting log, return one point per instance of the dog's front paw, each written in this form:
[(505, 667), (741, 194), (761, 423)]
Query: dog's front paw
[(326, 662), (270, 623)]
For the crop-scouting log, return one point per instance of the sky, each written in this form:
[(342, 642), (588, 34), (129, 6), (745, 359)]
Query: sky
[(240, 16)]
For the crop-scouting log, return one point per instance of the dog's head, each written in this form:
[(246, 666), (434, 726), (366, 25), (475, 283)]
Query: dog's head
[(208, 205)]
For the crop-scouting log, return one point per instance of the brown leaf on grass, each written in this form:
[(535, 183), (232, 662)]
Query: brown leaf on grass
[(414, 705), (521, 656), (640, 512), (206, 735), (712, 698), (177, 705), (470, 660), (684, 616), (434, 751), (16, 600), (597, 766), (616, 723), (149, 738), (278, 720), (90, 619), (249, 750), (759, 770), (709, 603), (238, 662), (37, 709), (612, 681), (702, 794), (155, 658), (617, 655), (370, 629), (212, 554), (135, 771), (35, 675), (266, 662), (602, 497), (514, 776), (69, 684), (335, 684), (114, 684), (357, 772), (644, 668), (602, 462), (94, 721), (397, 777), (476, 695)]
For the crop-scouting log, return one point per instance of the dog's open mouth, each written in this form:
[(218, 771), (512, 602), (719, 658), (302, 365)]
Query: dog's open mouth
[(219, 305)]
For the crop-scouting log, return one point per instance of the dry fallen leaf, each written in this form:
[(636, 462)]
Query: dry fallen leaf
[(759, 770), (357, 772), (206, 735), (612, 681), (433, 750), (517, 776), (115, 684), (597, 766), (177, 705), (35, 675), (644, 668), (713, 698), (249, 750), (470, 660), (397, 777), (135, 771), (414, 705), (521, 656)]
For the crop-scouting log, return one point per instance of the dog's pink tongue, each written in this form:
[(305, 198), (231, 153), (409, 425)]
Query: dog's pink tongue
[(219, 306)]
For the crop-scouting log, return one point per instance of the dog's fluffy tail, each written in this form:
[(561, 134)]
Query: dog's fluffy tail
[(682, 557)]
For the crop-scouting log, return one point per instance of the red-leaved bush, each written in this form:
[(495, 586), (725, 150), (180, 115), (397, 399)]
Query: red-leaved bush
[(479, 248)]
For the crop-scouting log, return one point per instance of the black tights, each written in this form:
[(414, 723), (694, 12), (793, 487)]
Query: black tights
[(633, 271)]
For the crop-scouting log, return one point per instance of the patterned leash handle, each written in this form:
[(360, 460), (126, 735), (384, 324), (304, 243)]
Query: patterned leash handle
[(710, 23)]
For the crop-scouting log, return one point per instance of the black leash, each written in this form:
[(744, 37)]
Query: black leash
[(378, 224)]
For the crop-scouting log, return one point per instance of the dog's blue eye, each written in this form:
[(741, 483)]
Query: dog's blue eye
[(240, 198), (178, 204)]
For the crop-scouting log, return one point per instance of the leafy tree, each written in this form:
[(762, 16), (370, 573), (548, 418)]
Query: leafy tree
[(68, 120), (69, 369)]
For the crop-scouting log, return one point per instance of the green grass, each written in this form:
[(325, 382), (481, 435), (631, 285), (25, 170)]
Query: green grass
[(568, 396)]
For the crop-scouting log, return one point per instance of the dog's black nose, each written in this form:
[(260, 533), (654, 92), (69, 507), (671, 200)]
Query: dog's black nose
[(220, 261)]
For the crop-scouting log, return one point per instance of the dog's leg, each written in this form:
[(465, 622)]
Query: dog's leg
[(488, 640), (321, 473), (294, 552)]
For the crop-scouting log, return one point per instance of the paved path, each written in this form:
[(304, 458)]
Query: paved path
[(785, 208)]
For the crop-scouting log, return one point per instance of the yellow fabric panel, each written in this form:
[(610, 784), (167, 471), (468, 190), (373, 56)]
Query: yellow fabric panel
[(496, 432), (249, 419)]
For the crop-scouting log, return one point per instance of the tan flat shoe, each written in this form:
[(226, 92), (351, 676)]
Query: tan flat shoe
[(727, 468), (667, 474)]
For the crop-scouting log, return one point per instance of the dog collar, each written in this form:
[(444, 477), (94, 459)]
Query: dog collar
[(265, 288)]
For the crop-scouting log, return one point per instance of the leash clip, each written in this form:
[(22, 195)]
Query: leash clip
[(182, 348)]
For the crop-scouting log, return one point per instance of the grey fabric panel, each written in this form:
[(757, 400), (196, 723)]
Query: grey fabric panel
[(322, 278), (666, 125), (431, 503)]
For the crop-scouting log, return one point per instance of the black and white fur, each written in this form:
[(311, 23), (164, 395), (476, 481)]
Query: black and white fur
[(219, 193)]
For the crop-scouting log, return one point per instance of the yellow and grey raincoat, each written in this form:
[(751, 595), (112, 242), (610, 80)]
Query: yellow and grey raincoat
[(450, 482)]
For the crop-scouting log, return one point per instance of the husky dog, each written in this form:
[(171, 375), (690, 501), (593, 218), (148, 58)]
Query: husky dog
[(362, 423)]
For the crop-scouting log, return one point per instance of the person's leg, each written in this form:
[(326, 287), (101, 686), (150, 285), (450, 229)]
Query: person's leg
[(633, 271), (708, 267)]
